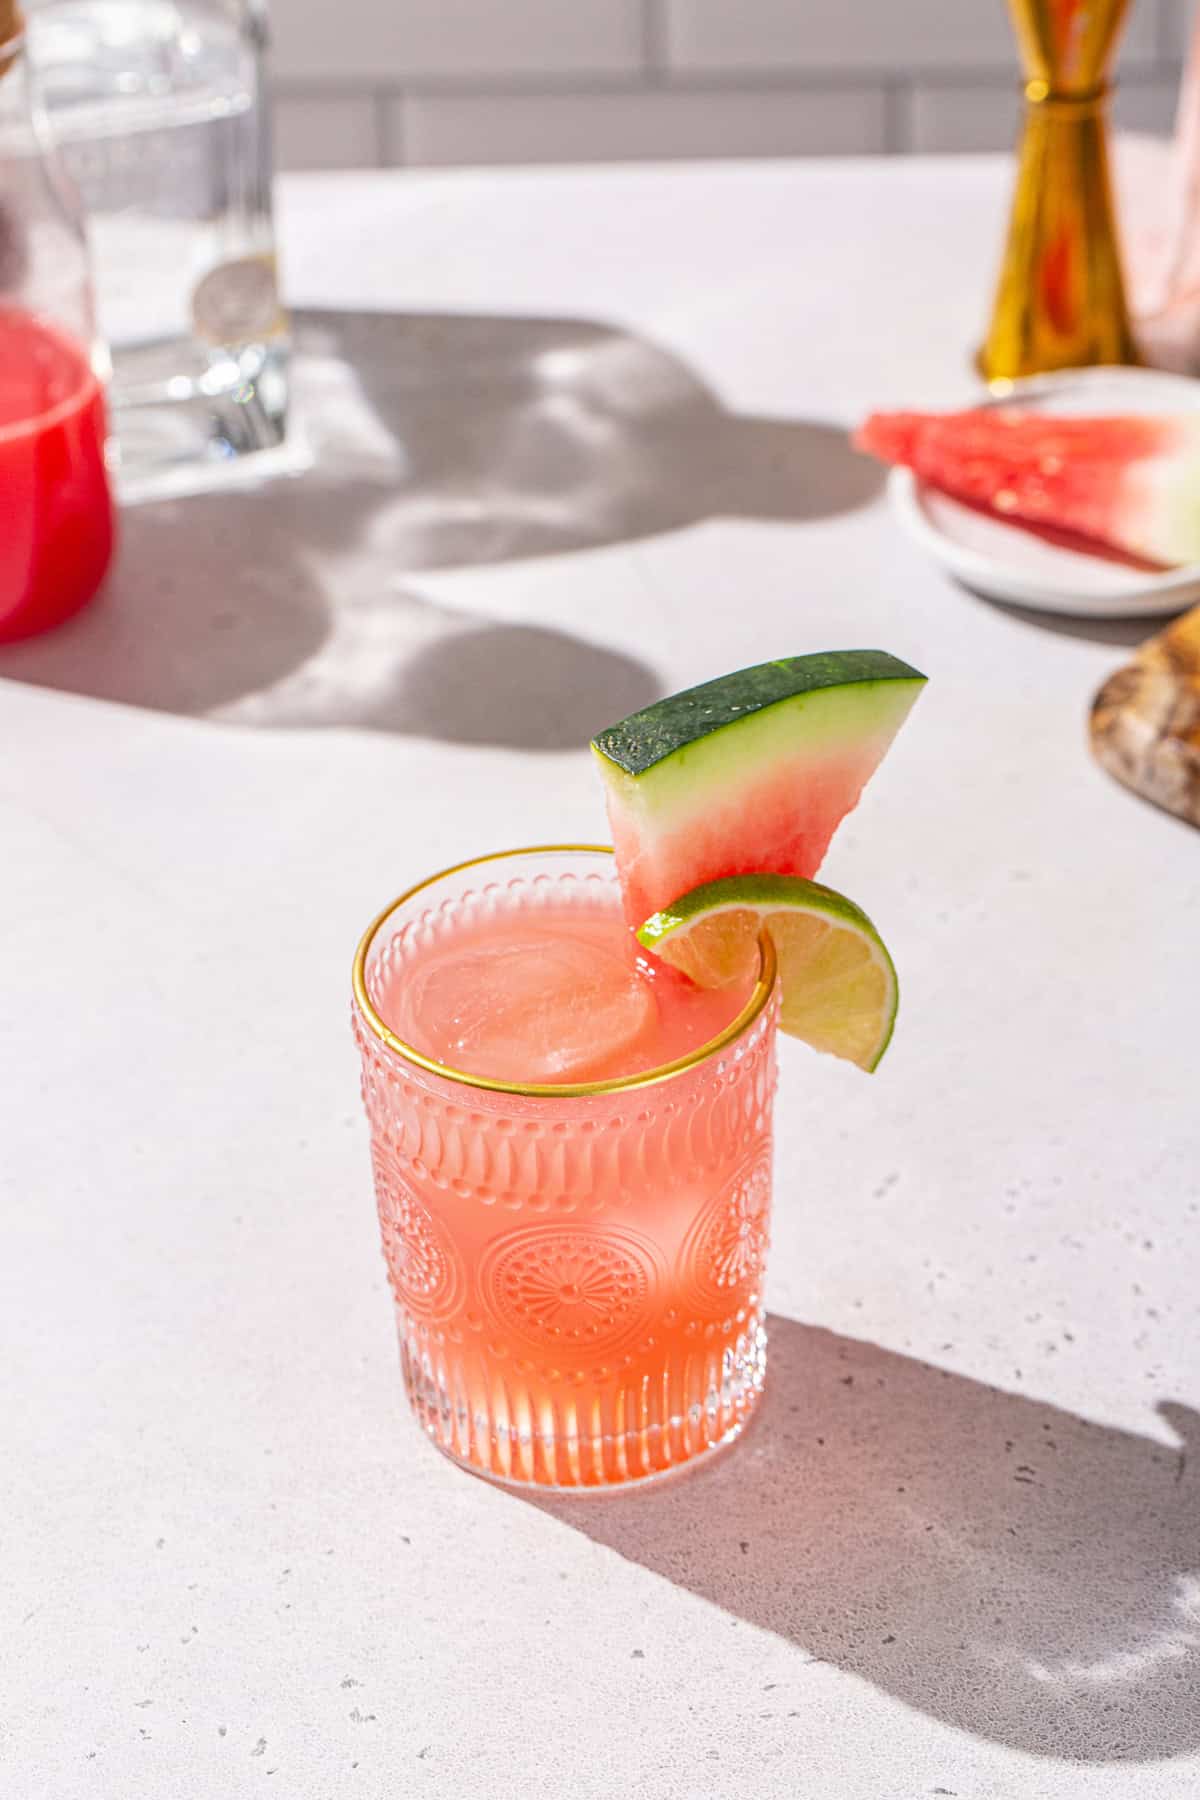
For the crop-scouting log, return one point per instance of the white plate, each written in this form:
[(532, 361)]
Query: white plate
[(1010, 564)]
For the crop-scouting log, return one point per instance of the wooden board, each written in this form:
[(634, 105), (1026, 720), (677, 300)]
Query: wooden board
[(1146, 720)]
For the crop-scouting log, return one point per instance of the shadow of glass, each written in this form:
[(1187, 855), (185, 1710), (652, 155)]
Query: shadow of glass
[(435, 443), (529, 437), (404, 665), (1002, 1565), (518, 685)]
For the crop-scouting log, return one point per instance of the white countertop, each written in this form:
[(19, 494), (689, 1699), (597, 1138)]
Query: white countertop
[(959, 1552)]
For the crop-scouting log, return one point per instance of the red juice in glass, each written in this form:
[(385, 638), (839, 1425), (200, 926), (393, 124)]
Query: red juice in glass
[(56, 514), (572, 1151)]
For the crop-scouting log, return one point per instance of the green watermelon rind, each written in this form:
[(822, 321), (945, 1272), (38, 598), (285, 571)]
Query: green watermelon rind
[(667, 759), (664, 730)]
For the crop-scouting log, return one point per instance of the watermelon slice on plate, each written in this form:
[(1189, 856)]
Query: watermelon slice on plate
[(1129, 482), (751, 773), (1035, 563)]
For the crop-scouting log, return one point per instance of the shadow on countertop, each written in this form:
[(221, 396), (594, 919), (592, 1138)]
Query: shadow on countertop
[(1099, 630), (999, 1564), (437, 443)]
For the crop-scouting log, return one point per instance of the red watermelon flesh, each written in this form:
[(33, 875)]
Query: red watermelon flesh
[(778, 820), (749, 774), (1132, 483)]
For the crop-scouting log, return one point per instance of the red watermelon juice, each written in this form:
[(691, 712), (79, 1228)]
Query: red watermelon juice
[(551, 987), (572, 1166), (56, 514)]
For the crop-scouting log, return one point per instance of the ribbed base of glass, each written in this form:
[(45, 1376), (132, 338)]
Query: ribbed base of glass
[(655, 1478), (551, 1436)]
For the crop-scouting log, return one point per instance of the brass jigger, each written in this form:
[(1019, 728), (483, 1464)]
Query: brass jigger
[(11, 22), (1060, 301)]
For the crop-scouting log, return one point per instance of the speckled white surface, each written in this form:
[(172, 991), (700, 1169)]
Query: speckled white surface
[(959, 1553)]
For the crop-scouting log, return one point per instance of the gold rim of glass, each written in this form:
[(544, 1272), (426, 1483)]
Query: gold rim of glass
[(567, 1090)]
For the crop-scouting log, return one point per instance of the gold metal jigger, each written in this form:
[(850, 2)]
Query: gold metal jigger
[(1060, 300)]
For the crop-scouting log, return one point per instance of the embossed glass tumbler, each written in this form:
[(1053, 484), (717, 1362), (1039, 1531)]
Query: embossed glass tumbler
[(577, 1269)]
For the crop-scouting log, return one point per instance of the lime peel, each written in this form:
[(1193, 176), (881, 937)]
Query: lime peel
[(839, 987)]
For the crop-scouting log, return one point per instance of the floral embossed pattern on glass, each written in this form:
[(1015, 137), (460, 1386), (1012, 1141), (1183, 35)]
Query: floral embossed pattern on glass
[(577, 1271)]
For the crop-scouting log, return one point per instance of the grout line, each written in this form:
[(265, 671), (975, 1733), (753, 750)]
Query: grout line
[(390, 133), (797, 82), (897, 115), (1168, 55), (707, 82), (654, 42), (581, 81)]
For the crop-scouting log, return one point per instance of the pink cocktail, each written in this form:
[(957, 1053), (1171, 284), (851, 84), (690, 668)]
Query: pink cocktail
[(572, 1156)]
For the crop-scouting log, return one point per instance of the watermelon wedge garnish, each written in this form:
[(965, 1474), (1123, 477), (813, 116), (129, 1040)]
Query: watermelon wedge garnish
[(1129, 483), (749, 774)]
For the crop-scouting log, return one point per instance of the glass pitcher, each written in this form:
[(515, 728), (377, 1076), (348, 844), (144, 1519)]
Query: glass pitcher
[(160, 110), (56, 517)]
